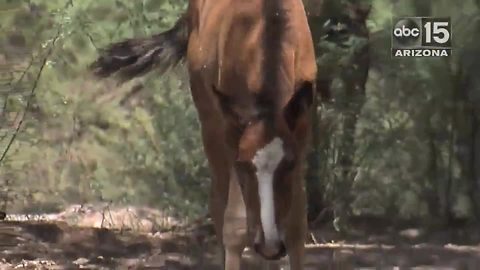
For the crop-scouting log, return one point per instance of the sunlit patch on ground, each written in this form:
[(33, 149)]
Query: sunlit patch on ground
[(48, 242)]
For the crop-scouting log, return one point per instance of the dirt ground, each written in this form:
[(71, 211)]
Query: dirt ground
[(55, 243)]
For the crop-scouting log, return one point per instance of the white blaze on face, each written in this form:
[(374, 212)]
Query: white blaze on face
[(266, 161)]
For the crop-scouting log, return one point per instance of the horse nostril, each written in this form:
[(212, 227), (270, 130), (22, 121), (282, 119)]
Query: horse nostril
[(256, 247), (282, 251)]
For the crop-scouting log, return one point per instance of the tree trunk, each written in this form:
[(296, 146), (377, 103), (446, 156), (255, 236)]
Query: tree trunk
[(353, 14), (355, 78), (468, 124)]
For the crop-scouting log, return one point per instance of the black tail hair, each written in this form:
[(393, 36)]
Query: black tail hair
[(137, 56)]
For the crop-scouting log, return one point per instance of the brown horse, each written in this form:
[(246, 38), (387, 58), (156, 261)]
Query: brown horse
[(252, 72)]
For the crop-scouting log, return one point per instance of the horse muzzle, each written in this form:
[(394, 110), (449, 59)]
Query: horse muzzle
[(269, 251)]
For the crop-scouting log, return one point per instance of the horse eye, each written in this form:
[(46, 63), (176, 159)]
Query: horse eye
[(288, 164)]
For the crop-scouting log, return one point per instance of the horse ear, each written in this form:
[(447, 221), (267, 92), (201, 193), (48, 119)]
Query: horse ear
[(299, 104)]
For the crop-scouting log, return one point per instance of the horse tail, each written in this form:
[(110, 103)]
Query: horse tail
[(137, 56)]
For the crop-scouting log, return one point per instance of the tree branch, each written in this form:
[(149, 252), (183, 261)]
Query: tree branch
[(30, 97)]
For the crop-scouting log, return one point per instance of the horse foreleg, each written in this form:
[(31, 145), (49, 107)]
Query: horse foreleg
[(296, 229), (235, 225), (296, 256)]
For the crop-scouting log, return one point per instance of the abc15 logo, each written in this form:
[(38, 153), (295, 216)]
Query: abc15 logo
[(421, 32)]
